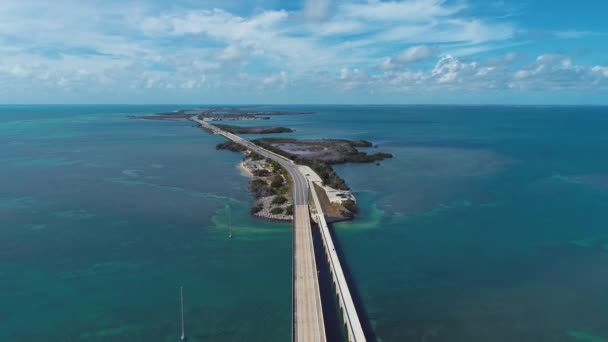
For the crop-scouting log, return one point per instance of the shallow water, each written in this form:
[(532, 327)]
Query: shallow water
[(490, 224)]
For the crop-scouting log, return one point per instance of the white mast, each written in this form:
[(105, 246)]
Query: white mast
[(181, 292), (229, 223)]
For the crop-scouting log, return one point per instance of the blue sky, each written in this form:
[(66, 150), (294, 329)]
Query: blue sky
[(304, 51)]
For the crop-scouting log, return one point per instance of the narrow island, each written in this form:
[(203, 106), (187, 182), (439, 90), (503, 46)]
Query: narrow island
[(253, 129), (270, 183), (216, 114)]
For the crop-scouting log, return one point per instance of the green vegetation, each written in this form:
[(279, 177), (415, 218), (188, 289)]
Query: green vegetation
[(276, 167), (253, 129), (260, 188), (324, 170), (276, 211), (289, 210), (345, 152), (256, 208), (350, 205), (277, 182), (254, 156), (279, 200), (362, 157), (261, 173), (231, 146)]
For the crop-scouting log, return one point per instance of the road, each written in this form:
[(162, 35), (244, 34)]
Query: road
[(308, 323)]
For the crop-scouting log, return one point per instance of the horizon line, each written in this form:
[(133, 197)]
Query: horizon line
[(312, 104)]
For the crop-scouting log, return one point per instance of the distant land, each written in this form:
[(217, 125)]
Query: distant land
[(217, 114)]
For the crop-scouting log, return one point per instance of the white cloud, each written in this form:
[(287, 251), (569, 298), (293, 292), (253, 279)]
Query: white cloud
[(413, 10), (450, 69), (601, 70), (117, 47), (317, 9), (550, 72), (347, 27), (236, 51), (279, 80), (409, 55)]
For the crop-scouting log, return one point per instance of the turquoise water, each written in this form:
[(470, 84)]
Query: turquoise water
[(490, 224)]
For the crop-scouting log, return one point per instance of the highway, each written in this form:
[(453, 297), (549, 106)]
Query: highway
[(308, 323)]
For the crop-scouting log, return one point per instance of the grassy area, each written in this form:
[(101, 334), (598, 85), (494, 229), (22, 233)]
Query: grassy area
[(330, 209), (253, 129)]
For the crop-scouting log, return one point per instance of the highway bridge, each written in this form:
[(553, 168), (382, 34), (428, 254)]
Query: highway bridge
[(308, 322)]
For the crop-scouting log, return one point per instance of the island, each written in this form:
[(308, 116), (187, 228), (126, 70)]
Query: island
[(254, 129), (270, 182), (319, 154), (217, 114)]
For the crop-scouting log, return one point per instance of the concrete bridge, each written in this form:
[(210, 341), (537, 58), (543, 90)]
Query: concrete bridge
[(308, 322)]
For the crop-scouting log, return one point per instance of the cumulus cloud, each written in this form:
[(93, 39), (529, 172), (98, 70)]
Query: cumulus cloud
[(130, 48), (558, 72)]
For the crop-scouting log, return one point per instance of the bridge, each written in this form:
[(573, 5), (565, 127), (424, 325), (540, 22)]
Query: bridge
[(308, 324)]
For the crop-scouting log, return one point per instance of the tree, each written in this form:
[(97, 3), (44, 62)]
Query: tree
[(261, 173), (276, 211), (277, 182), (279, 199)]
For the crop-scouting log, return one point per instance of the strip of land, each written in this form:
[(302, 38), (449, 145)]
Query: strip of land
[(316, 156), (217, 114), (270, 184), (254, 129)]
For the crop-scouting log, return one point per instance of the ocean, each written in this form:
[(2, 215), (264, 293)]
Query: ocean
[(489, 224)]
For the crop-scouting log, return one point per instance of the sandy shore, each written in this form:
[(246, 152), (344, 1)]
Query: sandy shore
[(245, 172)]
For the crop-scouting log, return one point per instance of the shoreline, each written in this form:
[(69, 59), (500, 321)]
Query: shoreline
[(245, 172), (272, 203), (271, 185)]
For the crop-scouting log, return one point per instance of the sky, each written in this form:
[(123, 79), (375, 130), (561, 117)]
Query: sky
[(304, 51)]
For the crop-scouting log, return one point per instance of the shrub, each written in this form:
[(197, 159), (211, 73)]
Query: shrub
[(254, 156), (257, 184), (259, 188), (277, 182), (279, 200), (276, 211), (289, 210), (350, 205), (230, 145), (261, 173), (256, 208)]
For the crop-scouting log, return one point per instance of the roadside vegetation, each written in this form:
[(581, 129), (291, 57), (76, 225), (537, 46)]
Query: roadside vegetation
[(345, 152), (230, 146), (253, 129)]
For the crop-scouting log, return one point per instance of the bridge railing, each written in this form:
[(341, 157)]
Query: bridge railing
[(349, 312)]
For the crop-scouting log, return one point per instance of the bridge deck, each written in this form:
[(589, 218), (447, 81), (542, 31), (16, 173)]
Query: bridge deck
[(308, 312)]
